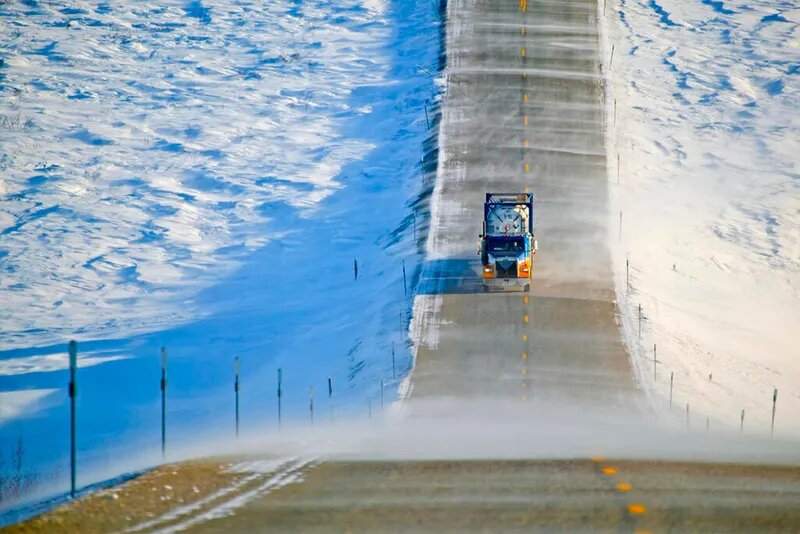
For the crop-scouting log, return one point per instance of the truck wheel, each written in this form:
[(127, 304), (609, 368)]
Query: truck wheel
[(528, 288)]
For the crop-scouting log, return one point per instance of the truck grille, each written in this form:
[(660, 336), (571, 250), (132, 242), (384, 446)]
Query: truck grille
[(506, 269)]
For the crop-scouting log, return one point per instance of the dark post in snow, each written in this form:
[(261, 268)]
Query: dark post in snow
[(687, 416), (330, 395), (405, 288), (741, 423), (394, 376), (640, 319), (73, 392), (427, 122), (355, 269), (163, 402), (311, 404), (402, 325), (655, 377), (671, 376), (627, 269), (280, 394), (774, 401), (611, 61), (236, 392)]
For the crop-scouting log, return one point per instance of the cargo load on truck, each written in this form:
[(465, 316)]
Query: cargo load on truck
[(508, 245)]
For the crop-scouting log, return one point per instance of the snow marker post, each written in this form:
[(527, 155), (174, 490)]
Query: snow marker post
[(427, 122), (627, 262), (236, 392), (774, 401), (355, 269), (611, 61), (73, 392), (163, 402), (394, 376), (687, 416), (280, 394), (741, 423)]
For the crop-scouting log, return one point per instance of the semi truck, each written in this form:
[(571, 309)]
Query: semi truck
[(507, 242)]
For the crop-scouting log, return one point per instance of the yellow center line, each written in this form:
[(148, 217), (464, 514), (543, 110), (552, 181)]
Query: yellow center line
[(524, 355), (525, 319), (624, 487), (597, 459), (609, 471), (525, 300), (525, 337), (526, 167), (523, 52), (525, 120)]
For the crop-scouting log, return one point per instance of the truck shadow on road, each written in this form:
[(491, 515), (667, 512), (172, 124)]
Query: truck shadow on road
[(450, 276)]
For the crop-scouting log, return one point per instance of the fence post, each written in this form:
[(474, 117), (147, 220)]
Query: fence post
[(655, 372), (394, 376), (405, 285), (73, 392), (671, 376), (774, 401), (330, 395), (163, 402), (311, 404), (640, 319), (236, 391), (280, 394)]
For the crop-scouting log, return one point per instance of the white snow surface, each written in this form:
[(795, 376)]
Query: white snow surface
[(135, 158), (703, 101)]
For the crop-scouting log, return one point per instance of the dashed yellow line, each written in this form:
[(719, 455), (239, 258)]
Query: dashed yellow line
[(525, 143), (525, 337), (523, 52), (525, 319), (525, 120), (624, 487), (524, 355), (526, 167), (609, 471), (525, 300), (525, 97), (522, 31), (636, 509)]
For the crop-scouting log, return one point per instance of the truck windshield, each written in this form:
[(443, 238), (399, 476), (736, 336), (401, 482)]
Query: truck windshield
[(506, 245)]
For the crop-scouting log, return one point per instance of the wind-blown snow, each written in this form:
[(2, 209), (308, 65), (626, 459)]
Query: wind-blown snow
[(137, 160), (702, 113)]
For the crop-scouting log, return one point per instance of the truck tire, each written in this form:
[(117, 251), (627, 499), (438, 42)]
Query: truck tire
[(527, 288)]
